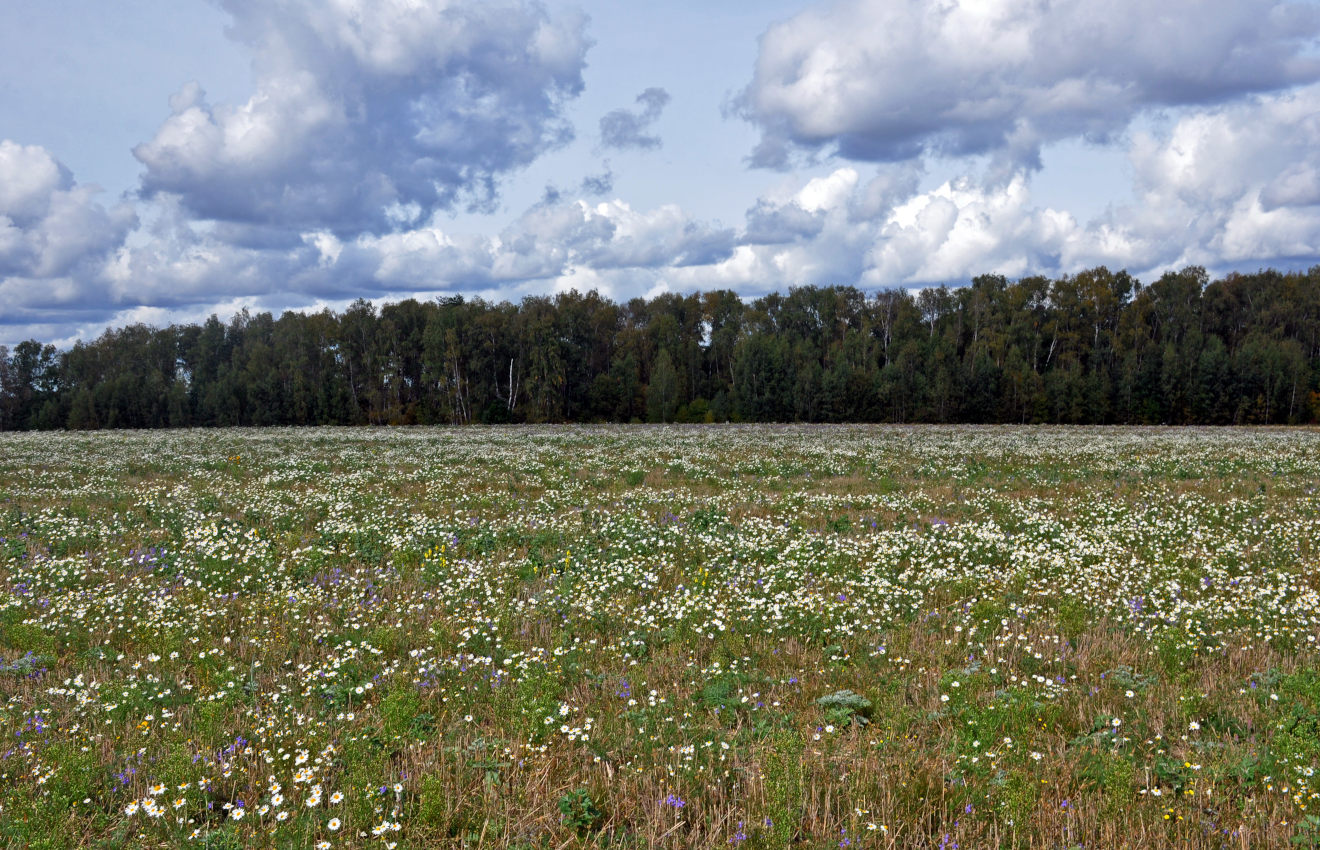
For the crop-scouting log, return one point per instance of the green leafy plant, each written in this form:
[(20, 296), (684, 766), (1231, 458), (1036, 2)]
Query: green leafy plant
[(1308, 832), (844, 707), (579, 812)]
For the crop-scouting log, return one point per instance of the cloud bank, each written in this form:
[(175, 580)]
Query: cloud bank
[(55, 237), (367, 115), (890, 80), (369, 122)]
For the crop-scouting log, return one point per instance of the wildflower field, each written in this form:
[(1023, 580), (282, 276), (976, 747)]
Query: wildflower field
[(638, 637)]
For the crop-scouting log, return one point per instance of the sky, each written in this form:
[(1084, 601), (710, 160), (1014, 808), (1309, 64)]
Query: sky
[(164, 160)]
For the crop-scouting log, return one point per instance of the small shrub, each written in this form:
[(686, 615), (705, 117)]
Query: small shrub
[(705, 519), (30, 665), (579, 812), (843, 707)]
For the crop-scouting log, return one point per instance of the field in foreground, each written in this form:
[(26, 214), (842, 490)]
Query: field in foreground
[(636, 637)]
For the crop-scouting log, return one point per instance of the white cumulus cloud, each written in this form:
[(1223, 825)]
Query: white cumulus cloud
[(894, 79), (364, 109), (55, 236)]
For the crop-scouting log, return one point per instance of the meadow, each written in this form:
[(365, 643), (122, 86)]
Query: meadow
[(675, 637)]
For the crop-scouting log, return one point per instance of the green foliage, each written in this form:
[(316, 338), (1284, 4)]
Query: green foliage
[(842, 525), (433, 803), (1307, 832), (782, 760), (1296, 737), (844, 707), (528, 702), (28, 665), (720, 693), (225, 838), (662, 393), (579, 812), (29, 639), (1074, 618), (1084, 348), (368, 546), (1113, 775), (401, 714), (1124, 677), (14, 548), (1018, 795), (706, 519)]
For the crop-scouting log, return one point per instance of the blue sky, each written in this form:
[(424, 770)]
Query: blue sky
[(161, 160)]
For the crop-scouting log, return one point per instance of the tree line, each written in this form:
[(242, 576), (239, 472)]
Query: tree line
[(1095, 347)]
